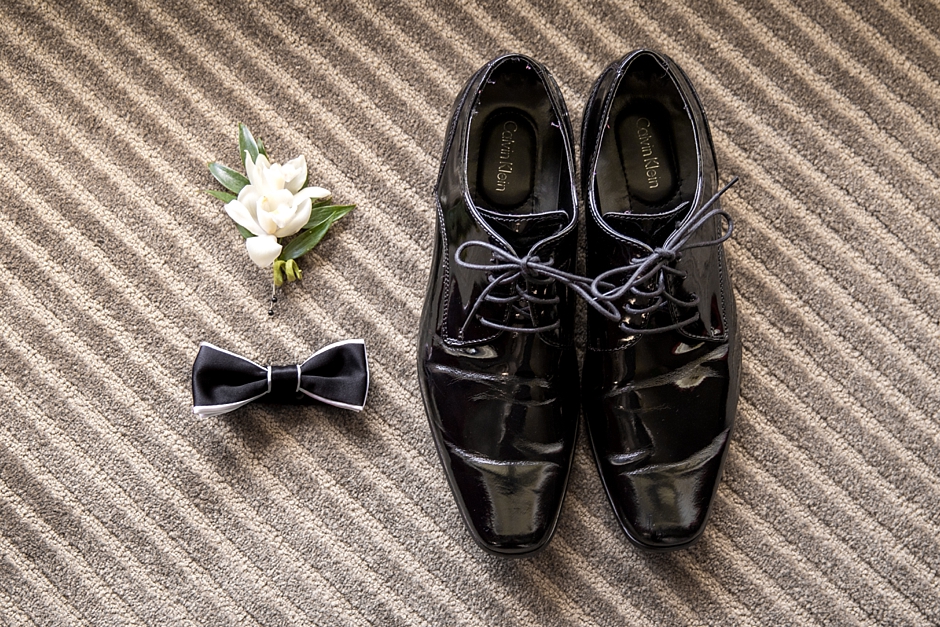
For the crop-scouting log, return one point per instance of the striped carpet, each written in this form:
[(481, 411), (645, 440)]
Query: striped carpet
[(119, 507)]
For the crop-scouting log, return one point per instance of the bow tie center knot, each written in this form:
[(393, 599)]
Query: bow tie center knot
[(285, 381)]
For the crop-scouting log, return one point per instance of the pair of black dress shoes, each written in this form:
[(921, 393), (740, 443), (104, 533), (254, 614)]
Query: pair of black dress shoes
[(496, 358)]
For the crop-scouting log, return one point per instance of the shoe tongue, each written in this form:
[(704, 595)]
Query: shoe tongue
[(524, 231)]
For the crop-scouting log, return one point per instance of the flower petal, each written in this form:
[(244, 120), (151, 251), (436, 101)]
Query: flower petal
[(242, 216), (295, 173), (280, 207), (317, 193), (251, 171), (256, 170), (299, 219), (274, 177), (266, 216), (249, 197), (263, 249)]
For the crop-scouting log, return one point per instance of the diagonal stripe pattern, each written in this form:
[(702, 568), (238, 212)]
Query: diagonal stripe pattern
[(117, 507)]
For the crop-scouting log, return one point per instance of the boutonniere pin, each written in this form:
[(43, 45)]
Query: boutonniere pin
[(274, 203)]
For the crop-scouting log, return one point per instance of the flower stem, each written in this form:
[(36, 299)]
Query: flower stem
[(273, 298)]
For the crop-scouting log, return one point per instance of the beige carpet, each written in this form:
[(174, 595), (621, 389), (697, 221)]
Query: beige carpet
[(119, 507)]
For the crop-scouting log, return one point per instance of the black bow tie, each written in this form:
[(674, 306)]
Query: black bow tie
[(337, 375)]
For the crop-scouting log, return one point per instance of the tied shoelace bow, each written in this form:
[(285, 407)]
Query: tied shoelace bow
[(656, 265), (511, 268), (600, 293)]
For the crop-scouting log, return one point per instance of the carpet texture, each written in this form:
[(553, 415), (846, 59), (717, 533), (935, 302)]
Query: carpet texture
[(119, 507)]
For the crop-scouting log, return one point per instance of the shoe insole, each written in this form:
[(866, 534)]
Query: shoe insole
[(645, 141), (506, 173)]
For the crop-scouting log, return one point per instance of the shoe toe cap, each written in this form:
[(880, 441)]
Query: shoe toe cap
[(510, 506), (665, 505)]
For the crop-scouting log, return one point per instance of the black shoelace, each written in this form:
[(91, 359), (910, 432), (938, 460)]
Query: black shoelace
[(505, 269), (600, 293)]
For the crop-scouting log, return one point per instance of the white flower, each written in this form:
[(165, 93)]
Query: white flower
[(273, 205)]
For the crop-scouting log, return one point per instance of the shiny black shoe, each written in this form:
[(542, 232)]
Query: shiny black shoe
[(662, 364), (496, 364)]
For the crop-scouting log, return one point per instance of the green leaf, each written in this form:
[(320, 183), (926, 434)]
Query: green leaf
[(245, 232), (304, 242), (319, 215), (232, 180), (246, 143), (223, 196), (261, 148), (322, 201)]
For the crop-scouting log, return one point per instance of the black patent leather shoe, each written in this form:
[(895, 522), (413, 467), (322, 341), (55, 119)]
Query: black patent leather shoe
[(662, 364), (496, 365)]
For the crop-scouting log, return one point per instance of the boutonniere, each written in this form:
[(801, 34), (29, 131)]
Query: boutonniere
[(273, 203)]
